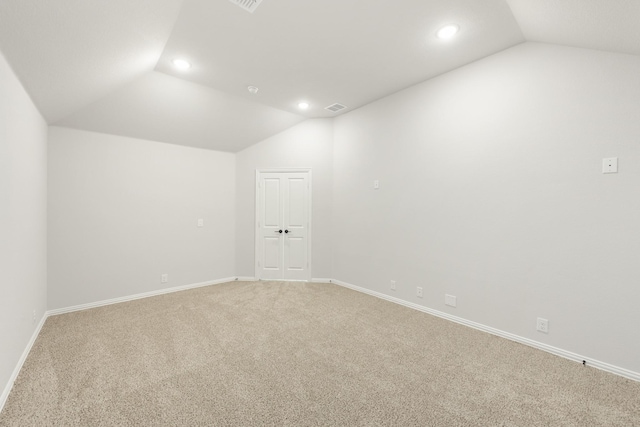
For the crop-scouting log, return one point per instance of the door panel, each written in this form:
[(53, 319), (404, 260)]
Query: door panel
[(272, 259), (297, 202), (270, 218), (296, 221), (295, 253), (283, 200), (271, 202)]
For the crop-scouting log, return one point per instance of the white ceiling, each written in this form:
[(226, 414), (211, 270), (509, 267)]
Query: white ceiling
[(611, 25), (90, 64), (163, 108), (328, 51), (68, 53)]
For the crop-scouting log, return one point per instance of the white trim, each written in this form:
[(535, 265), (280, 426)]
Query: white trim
[(246, 279), (16, 371), (320, 280), (256, 229), (284, 170), (137, 296), (526, 341)]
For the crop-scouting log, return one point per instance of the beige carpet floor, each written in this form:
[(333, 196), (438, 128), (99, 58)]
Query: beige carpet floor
[(294, 354)]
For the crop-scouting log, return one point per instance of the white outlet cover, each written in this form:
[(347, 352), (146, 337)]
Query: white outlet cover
[(419, 292), (393, 285), (200, 222), (450, 300), (610, 165), (542, 325), (376, 185)]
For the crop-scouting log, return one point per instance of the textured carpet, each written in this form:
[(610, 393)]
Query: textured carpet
[(296, 354)]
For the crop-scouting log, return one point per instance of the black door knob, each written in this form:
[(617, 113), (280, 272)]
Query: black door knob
[(280, 231), (286, 231)]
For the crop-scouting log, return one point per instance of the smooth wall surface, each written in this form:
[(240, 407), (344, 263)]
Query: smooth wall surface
[(23, 220), (491, 190), (307, 145), (124, 211)]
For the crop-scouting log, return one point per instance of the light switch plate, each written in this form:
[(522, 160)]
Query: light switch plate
[(610, 165)]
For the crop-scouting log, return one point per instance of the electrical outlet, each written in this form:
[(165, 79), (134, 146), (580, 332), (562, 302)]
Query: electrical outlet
[(164, 278), (393, 285), (543, 325), (201, 222), (419, 292), (376, 185), (450, 300), (34, 316)]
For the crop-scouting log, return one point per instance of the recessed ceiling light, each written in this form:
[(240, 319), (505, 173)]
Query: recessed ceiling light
[(181, 64), (447, 31), (303, 105)]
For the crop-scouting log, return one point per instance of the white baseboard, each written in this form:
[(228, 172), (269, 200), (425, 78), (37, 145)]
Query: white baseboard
[(137, 296), (16, 371), (254, 279), (526, 341)]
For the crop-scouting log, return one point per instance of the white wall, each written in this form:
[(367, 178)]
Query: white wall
[(23, 221), (309, 144), (491, 190), (123, 211)]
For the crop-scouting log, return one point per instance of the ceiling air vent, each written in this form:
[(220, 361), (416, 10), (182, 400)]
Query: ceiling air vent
[(248, 5), (335, 107)]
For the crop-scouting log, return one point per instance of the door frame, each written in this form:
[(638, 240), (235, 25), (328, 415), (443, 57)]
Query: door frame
[(256, 215)]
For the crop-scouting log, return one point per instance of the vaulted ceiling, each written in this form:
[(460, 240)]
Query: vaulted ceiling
[(106, 66)]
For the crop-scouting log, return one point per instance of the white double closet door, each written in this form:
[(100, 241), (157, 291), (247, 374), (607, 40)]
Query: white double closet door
[(283, 208)]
